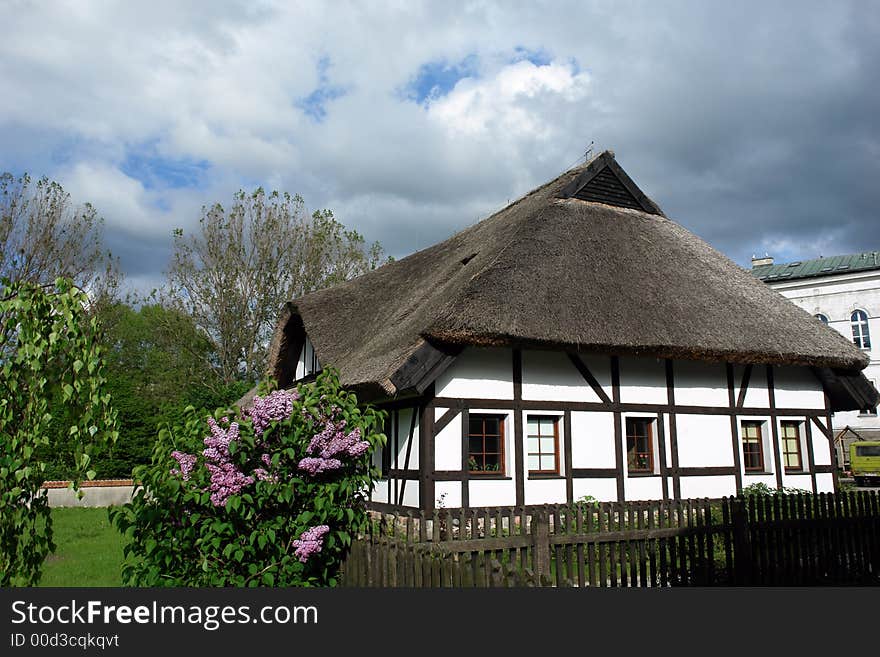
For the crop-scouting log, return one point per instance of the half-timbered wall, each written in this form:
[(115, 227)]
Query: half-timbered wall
[(695, 411)]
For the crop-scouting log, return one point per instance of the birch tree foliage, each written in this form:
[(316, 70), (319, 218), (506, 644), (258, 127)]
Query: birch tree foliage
[(233, 273), (50, 364)]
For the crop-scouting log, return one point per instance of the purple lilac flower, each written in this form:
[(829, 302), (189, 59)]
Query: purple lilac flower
[(315, 466), (331, 443), (186, 462), (310, 542), (277, 405), (226, 480)]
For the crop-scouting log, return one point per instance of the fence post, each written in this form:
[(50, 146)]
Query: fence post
[(541, 543), (742, 549)]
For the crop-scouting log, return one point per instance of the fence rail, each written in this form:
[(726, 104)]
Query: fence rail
[(762, 540)]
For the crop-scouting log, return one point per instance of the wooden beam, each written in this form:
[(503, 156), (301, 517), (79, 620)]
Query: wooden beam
[(519, 459), (774, 429), (426, 454), (629, 407), (409, 442), (673, 428), (594, 473), (588, 377), (422, 367), (708, 471), (808, 434), (661, 447), (441, 422), (734, 425), (744, 386), (618, 429), (465, 452), (821, 427), (566, 446)]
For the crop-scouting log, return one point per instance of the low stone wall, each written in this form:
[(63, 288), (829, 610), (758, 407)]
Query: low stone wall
[(102, 492)]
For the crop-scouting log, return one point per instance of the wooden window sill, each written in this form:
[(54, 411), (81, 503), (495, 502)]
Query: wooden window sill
[(549, 475), (642, 475), (495, 477)]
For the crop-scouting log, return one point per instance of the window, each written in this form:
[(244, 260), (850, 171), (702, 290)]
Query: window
[(543, 444), (752, 446), (861, 335), (791, 446), (822, 318), (486, 444), (640, 445), (867, 450)]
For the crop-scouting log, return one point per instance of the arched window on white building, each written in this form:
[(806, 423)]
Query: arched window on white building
[(861, 336), (822, 318)]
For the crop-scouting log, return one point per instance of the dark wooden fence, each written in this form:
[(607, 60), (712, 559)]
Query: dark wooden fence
[(763, 540)]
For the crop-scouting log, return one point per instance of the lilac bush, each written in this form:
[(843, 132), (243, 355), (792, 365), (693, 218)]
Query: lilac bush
[(269, 495)]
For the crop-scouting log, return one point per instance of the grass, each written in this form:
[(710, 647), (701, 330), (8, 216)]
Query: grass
[(88, 552)]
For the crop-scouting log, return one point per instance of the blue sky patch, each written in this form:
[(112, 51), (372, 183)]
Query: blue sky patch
[(143, 163), (436, 79), (315, 104), (539, 57)]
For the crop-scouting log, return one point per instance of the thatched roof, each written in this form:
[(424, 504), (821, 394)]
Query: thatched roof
[(554, 271)]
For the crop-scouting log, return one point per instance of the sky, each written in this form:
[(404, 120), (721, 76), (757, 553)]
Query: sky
[(754, 124)]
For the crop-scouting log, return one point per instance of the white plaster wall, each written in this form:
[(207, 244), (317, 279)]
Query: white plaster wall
[(643, 488), (544, 491), (825, 482), (757, 393), (708, 486), (452, 491), (700, 384), (497, 492), (592, 440), (405, 417), (447, 445), (550, 375), (643, 381), (801, 481), (749, 479), (380, 491), (821, 448), (704, 441), (604, 490), (478, 373), (411, 493), (797, 387)]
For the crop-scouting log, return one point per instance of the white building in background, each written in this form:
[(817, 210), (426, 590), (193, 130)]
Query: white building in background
[(844, 293)]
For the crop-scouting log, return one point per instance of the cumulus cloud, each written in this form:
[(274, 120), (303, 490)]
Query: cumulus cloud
[(414, 120)]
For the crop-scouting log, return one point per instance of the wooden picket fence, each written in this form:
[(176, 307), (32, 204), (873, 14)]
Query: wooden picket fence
[(795, 539)]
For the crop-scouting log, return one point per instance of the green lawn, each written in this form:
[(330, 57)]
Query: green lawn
[(89, 550)]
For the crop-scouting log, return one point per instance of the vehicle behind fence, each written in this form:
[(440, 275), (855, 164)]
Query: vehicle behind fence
[(764, 540)]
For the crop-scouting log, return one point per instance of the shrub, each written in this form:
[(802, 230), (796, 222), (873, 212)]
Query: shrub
[(270, 496)]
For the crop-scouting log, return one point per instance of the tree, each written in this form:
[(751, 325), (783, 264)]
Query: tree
[(157, 364), (270, 497), (232, 276), (51, 359), (44, 237)]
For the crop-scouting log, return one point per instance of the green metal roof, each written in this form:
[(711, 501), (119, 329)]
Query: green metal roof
[(843, 264)]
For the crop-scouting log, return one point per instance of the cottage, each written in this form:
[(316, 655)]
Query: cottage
[(578, 342)]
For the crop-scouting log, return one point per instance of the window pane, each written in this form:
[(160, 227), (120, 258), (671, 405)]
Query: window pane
[(475, 445), (476, 425), (493, 444), (532, 445), (534, 462), (493, 462), (548, 463), (532, 426), (492, 426), (548, 445)]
